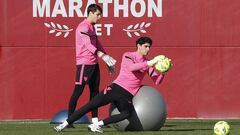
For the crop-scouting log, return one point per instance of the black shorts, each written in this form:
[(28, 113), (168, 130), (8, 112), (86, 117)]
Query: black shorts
[(87, 73), (121, 98)]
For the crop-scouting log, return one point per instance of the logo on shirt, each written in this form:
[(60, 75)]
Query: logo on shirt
[(85, 78)]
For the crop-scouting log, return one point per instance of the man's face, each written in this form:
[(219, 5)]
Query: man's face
[(143, 49), (95, 17)]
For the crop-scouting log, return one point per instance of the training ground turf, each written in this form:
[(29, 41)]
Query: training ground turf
[(171, 127)]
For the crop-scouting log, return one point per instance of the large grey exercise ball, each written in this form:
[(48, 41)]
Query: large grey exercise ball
[(149, 112)]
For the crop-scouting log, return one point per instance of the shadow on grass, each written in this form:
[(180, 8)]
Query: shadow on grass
[(78, 130), (169, 125), (188, 129)]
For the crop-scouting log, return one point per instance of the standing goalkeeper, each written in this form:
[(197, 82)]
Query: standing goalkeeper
[(88, 50)]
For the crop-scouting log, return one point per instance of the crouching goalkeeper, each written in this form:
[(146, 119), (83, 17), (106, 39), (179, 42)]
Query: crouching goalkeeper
[(134, 66)]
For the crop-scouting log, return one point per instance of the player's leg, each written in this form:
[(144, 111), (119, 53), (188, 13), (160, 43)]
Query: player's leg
[(94, 90), (99, 100), (74, 98), (125, 108), (123, 101), (79, 87)]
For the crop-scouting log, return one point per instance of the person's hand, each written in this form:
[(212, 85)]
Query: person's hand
[(111, 69), (152, 62), (155, 60), (160, 57), (108, 60)]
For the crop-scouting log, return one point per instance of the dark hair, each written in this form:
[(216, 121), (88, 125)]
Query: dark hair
[(93, 8), (143, 40)]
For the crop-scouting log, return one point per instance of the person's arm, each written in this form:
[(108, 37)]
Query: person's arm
[(85, 38), (155, 76), (131, 65), (106, 58), (129, 60), (100, 47)]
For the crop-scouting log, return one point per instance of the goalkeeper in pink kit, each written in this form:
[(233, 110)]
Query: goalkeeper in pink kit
[(88, 50), (134, 66)]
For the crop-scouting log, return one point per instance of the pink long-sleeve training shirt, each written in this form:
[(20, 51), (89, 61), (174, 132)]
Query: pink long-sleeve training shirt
[(87, 44), (133, 69)]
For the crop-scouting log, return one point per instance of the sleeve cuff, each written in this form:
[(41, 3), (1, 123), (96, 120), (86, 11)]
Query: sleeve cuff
[(159, 79)]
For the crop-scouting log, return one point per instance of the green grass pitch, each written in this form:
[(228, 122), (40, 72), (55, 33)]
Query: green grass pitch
[(171, 127)]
